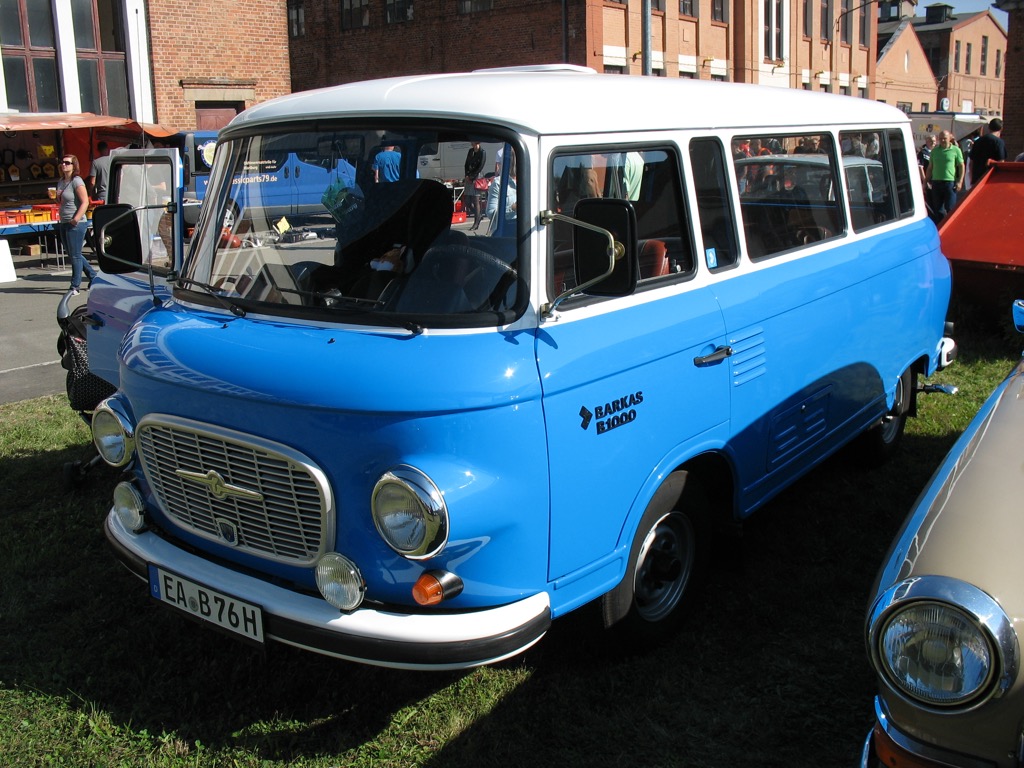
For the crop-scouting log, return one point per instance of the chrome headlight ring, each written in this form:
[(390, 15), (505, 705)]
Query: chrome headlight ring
[(410, 513), (113, 432), (942, 644)]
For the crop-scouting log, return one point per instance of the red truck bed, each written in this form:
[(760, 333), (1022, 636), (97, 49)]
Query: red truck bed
[(984, 238)]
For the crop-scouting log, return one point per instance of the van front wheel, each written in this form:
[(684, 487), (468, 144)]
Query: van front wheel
[(665, 561)]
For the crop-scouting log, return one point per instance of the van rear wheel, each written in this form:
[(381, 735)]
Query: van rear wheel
[(665, 562), (880, 442)]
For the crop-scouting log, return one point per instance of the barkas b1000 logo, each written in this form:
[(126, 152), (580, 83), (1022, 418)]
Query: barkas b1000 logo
[(613, 414)]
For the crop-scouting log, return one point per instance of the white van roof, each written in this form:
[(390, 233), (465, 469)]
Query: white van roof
[(554, 101)]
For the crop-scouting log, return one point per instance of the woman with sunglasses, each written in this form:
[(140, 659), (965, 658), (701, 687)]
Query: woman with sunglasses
[(74, 202)]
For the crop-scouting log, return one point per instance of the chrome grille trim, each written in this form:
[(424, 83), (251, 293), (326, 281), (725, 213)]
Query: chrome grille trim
[(275, 499)]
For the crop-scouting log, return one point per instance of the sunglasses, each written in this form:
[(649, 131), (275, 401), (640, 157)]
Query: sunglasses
[(67, 162)]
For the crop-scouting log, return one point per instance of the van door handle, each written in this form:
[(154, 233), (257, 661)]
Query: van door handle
[(720, 353)]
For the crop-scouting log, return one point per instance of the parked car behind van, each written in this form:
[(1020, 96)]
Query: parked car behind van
[(943, 628)]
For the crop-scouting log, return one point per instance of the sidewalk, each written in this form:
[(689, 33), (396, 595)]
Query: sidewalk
[(29, 364)]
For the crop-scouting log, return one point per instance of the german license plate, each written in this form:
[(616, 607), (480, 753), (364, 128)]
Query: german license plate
[(207, 604)]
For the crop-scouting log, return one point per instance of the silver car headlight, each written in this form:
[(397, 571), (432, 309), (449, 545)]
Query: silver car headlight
[(410, 513), (943, 643), (113, 432)]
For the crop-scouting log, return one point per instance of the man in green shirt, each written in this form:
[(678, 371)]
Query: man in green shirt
[(945, 176)]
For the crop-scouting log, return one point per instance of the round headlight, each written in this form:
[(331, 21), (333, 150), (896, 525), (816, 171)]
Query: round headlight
[(937, 654), (113, 433), (942, 643), (129, 507), (340, 581), (410, 513)]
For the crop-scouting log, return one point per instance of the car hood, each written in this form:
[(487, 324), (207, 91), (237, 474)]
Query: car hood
[(967, 524)]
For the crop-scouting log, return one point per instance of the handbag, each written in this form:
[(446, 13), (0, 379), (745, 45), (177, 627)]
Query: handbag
[(480, 184)]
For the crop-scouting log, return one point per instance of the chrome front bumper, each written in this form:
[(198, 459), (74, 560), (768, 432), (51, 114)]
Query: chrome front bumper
[(383, 638)]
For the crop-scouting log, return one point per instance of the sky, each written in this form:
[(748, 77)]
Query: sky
[(967, 6)]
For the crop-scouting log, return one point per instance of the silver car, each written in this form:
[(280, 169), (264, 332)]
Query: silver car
[(943, 625)]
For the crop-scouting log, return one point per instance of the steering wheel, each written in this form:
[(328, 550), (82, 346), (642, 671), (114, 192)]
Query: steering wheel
[(484, 272)]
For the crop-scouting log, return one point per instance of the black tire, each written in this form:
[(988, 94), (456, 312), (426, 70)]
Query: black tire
[(880, 442), (666, 561)]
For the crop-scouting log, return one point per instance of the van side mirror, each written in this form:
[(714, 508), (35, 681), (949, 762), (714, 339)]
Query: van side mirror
[(590, 247), (604, 248), (118, 238), (1018, 315)]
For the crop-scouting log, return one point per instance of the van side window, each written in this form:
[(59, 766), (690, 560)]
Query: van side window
[(649, 179), (902, 172), (866, 164), (789, 192), (714, 203)]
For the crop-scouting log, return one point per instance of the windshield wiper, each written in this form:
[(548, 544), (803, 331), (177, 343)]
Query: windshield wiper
[(212, 292), (338, 303)]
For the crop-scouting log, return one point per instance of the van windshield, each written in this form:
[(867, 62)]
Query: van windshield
[(368, 225)]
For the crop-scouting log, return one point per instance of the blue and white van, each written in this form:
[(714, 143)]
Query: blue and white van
[(404, 441)]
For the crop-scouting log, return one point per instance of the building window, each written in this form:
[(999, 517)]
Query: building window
[(925, 107), (906, 106), (396, 11), (846, 27), (296, 19), (29, 56), (967, 61), (956, 56), (999, 63), (826, 20), (865, 21), (773, 31), (355, 14), (473, 6), (613, 69), (718, 12), (688, 8), (984, 55), (99, 49), (808, 19)]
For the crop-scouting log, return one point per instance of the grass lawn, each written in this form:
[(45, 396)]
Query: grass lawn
[(769, 669)]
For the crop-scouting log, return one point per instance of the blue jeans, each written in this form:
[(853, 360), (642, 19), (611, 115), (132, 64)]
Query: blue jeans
[(943, 199), (73, 238)]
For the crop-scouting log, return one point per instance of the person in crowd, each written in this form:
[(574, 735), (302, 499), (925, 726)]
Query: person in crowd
[(986, 150), (73, 203), (925, 153), (99, 173), (872, 148), (387, 165), (945, 175), (475, 159)]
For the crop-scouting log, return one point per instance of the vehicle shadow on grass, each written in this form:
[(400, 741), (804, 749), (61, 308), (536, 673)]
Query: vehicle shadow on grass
[(769, 668), (76, 626)]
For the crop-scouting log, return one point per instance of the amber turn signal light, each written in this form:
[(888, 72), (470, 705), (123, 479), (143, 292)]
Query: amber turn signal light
[(432, 587)]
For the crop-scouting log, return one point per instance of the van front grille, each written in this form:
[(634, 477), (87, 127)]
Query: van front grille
[(237, 490)]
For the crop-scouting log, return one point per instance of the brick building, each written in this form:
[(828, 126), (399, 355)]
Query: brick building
[(181, 63), (903, 76), (1013, 100), (826, 45), (967, 55), (211, 61)]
